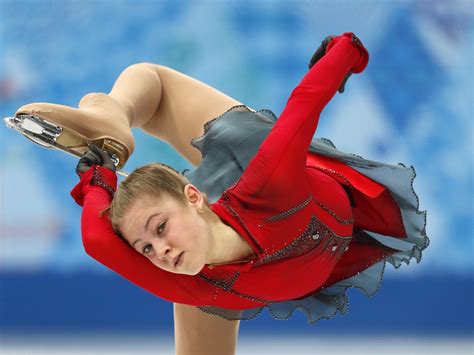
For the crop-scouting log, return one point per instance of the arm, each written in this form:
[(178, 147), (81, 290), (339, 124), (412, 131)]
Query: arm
[(94, 192), (280, 161), (102, 244), (197, 332)]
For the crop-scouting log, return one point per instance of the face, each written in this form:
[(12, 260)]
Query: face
[(161, 229)]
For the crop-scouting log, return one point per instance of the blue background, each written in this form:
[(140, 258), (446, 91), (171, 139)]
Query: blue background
[(413, 104)]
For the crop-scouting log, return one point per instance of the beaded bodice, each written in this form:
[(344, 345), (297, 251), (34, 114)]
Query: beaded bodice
[(294, 236)]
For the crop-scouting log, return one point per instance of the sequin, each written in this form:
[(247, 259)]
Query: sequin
[(288, 213), (332, 213), (313, 313), (332, 171), (316, 235), (229, 208), (311, 238), (226, 283), (98, 181)]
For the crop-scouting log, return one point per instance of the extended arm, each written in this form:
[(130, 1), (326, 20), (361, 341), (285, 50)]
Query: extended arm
[(280, 161)]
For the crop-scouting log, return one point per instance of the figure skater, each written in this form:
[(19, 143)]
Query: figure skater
[(270, 217)]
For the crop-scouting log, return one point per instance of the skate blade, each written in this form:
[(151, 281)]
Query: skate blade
[(49, 135)]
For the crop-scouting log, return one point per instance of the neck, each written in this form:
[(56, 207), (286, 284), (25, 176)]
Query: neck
[(226, 245)]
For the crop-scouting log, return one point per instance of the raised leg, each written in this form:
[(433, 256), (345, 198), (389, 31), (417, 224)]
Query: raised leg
[(168, 105)]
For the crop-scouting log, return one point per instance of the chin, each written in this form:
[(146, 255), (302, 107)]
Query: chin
[(191, 272)]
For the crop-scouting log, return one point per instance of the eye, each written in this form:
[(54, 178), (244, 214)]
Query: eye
[(161, 228), (146, 249)]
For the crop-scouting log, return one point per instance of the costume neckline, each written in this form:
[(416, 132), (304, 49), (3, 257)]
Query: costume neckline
[(218, 209)]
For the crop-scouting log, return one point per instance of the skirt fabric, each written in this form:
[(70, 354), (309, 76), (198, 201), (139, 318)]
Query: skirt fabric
[(388, 224)]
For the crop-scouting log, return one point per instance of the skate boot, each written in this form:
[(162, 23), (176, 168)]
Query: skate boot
[(99, 120)]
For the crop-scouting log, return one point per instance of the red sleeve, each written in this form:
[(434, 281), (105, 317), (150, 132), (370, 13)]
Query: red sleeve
[(278, 168), (94, 192)]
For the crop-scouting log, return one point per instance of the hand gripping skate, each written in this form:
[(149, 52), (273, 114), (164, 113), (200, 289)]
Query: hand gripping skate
[(50, 135)]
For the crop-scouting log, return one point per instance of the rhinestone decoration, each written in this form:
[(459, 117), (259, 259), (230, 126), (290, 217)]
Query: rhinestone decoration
[(226, 204), (316, 235), (97, 181), (332, 213), (226, 283), (249, 297), (332, 171), (289, 212), (229, 314), (342, 247)]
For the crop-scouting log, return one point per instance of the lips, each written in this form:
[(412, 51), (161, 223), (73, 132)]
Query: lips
[(177, 259)]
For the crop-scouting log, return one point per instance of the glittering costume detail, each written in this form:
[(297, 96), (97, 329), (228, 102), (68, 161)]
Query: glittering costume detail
[(98, 181), (332, 213), (331, 171), (287, 213), (327, 302), (226, 204), (249, 297), (324, 303), (317, 234), (226, 283), (229, 314), (229, 145)]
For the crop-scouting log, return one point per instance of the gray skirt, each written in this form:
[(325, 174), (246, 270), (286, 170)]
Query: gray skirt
[(229, 143)]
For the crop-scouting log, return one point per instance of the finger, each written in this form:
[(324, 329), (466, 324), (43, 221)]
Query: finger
[(343, 85), (105, 156), (102, 153), (91, 158), (93, 149), (320, 52)]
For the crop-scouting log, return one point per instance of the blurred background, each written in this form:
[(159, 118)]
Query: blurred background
[(413, 104)]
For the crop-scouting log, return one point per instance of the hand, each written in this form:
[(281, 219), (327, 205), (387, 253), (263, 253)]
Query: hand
[(94, 156), (320, 52), (329, 42)]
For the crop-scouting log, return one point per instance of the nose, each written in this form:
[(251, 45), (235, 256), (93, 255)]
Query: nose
[(162, 250)]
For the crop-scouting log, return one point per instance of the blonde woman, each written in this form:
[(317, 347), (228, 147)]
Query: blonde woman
[(270, 217)]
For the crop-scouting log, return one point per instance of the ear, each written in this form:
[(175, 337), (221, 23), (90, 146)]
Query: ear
[(194, 196)]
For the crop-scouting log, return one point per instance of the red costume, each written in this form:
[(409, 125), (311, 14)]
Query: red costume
[(302, 213)]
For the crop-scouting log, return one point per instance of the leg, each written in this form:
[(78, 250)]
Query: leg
[(163, 102), (169, 105), (199, 333)]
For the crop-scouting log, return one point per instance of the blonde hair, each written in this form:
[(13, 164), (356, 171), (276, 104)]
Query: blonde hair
[(152, 180)]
